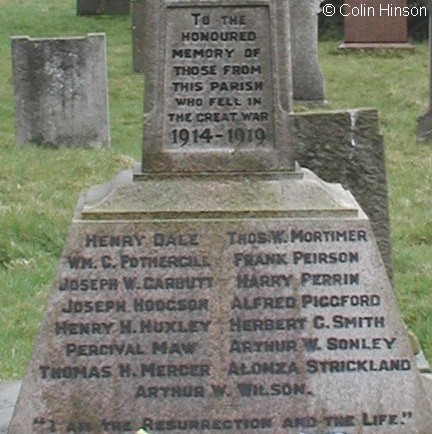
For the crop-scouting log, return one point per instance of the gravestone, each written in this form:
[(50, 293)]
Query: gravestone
[(219, 287), (308, 82), (369, 24), (424, 123), (102, 7), (60, 91)]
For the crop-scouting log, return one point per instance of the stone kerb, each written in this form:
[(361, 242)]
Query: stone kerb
[(61, 91)]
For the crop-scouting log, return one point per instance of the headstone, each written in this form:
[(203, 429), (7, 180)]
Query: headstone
[(60, 90), (308, 82), (369, 24), (424, 123), (219, 287), (102, 7)]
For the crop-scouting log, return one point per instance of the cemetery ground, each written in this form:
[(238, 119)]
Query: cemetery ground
[(40, 187)]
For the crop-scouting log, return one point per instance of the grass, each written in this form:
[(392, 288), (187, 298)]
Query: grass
[(39, 187)]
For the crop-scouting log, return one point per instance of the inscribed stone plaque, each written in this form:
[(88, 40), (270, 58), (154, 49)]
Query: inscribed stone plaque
[(61, 91), (273, 316), (215, 84), (308, 83), (218, 87)]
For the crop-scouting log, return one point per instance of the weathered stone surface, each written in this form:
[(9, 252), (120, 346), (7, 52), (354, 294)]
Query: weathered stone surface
[(308, 81), (217, 96), (347, 147), (60, 90), (102, 7), (219, 287), (138, 19), (256, 305)]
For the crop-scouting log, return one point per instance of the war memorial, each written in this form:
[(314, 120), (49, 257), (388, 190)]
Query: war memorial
[(219, 286)]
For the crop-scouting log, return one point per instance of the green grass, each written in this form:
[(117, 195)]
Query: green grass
[(39, 187)]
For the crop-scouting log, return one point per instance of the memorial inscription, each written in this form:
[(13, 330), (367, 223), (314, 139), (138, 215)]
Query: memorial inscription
[(218, 89), (268, 310)]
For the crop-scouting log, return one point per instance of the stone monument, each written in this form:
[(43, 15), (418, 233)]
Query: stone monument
[(369, 25), (102, 7), (218, 287), (61, 91)]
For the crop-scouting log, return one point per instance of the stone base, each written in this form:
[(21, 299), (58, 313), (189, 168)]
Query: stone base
[(276, 195), (367, 46), (235, 303)]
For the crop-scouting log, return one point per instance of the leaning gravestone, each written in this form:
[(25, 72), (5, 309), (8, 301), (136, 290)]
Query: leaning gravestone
[(61, 91), (220, 288)]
